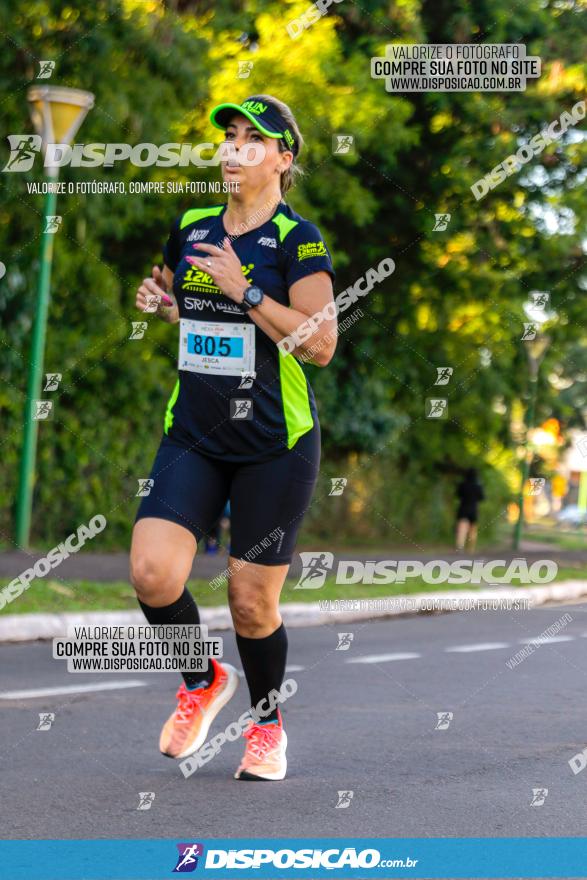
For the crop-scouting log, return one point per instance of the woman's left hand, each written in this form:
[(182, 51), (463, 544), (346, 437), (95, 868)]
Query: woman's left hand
[(224, 267)]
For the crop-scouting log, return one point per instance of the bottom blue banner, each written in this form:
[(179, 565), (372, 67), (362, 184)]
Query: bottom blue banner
[(304, 858)]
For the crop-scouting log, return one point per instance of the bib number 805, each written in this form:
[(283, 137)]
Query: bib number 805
[(211, 345)]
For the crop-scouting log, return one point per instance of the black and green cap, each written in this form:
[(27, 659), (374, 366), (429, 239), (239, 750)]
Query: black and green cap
[(263, 114)]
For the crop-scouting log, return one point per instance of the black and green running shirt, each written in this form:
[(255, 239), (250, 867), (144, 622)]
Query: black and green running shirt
[(237, 396)]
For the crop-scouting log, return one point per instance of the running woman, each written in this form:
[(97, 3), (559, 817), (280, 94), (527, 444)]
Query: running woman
[(241, 422)]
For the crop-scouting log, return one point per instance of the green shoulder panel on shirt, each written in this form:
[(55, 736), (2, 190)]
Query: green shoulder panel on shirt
[(170, 404), (284, 224), (195, 214), (296, 402)]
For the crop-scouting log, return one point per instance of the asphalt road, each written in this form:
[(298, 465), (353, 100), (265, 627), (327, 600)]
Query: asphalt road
[(359, 722)]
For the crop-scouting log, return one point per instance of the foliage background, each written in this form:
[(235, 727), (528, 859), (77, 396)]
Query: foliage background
[(455, 298)]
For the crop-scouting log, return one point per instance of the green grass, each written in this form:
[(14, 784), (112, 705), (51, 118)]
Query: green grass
[(57, 597)]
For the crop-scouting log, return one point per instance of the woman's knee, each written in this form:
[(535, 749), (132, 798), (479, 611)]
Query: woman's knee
[(254, 614), (152, 579)]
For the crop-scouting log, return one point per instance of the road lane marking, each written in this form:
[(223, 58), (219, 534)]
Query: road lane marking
[(541, 641), (32, 694), (383, 658), (480, 646)]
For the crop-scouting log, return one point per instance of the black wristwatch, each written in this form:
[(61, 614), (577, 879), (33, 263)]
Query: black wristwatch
[(253, 297)]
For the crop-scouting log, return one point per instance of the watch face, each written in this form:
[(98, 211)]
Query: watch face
[(254, 295)]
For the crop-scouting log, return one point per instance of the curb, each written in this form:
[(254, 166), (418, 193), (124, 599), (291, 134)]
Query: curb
[(34, 627)]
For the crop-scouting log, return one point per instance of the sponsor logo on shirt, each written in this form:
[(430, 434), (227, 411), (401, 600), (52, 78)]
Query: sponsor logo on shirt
[(268, 242), (193, 303), (311, 249), (197, 279), (198, 234)]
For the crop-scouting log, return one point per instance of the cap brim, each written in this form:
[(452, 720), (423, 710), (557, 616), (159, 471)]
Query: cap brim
[(221, 116)]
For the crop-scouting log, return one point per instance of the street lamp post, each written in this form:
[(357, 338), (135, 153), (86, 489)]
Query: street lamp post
[(57, 114), (536, 343)]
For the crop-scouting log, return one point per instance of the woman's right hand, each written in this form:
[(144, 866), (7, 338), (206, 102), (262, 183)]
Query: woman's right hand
[(152, 297)]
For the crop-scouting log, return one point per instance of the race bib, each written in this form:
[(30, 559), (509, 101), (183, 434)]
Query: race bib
[(215, 348)]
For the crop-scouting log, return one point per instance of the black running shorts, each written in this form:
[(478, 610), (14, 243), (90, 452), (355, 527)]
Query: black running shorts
[(268, 499)]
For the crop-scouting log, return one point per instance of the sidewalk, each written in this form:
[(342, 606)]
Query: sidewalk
[(31, 627), (114, 566)]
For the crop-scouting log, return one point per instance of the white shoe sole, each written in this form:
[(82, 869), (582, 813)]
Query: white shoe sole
[(212, 711), (270, 777)]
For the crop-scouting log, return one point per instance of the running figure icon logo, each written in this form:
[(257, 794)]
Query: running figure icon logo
[(247, 380), (443, 375), (441, 222), (444, 719), (241, 409), (344, 641), (538, 796), (344, 800), (46, 68), (436, 408), (146, 799), (338, 485), (530, 331), (315, 567), (52, 381), (188, 857), (46, 719), (23, 149)]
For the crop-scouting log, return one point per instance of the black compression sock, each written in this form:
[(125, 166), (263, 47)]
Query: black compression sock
[(183, 611), (264, 665)]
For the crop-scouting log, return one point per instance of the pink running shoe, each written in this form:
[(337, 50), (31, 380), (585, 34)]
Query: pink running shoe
[(264, 757)]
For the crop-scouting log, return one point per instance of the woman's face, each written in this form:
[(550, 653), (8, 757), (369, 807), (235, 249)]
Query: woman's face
[(240, 131)]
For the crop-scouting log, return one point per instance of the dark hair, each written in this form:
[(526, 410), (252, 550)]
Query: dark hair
[(289, 177)]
